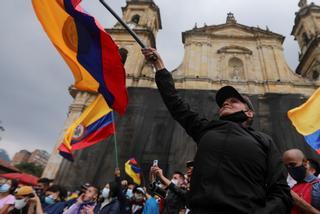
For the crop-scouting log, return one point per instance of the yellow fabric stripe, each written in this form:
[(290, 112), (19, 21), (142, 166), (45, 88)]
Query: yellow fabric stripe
[(306, 118), (61, 30), (127, 168), (97, 109)]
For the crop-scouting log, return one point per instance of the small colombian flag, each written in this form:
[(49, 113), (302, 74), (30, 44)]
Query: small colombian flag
[(133, 170)]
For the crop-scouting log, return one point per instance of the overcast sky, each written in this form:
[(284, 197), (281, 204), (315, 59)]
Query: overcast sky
[(34, 78)]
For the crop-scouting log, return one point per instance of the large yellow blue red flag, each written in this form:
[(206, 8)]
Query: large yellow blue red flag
[(133, 170), (306, 119), (93, 126), (86, 47)]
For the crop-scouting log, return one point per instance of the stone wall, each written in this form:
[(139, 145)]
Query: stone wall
[(148, 132)]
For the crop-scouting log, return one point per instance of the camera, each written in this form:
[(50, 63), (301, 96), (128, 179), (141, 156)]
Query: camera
[(157, 190)]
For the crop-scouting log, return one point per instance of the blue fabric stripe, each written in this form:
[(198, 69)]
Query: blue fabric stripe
[(313, 140), (67, 156), (89, 52), (102, 122), (135, 168)]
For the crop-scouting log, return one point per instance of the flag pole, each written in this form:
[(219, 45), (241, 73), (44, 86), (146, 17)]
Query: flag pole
[(132, 33), (153, 57), (115, 139)]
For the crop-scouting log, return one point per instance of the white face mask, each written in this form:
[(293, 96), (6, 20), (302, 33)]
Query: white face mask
[(105, 192), (19, 204), (138, 197), (174, 181)]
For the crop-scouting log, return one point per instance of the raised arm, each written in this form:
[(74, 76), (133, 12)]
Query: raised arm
[(180, 111)]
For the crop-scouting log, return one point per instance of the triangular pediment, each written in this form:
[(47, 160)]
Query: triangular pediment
[(230, 31), (234, 30)]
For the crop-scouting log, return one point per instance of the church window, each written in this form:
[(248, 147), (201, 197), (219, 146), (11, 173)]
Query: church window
[(236, 69), (306, 39), (123, 53), (136, 19), (315, 75)]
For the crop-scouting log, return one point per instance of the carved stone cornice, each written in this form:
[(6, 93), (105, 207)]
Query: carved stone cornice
[(198, 43), (244, 83), (234, 49), (74, 91), (254, 37), (147, 32), (255, 31)]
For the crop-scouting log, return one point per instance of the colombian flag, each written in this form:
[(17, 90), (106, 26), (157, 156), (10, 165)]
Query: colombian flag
[(89, 51), (133, 170), (306, 119), (93, 126)]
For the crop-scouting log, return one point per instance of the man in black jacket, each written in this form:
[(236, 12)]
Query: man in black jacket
[(236, 169), (175, 200)]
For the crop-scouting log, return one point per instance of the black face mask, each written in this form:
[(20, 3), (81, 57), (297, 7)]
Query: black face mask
[(298, 173), (238, 117)]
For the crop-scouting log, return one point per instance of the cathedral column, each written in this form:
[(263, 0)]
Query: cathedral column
[(81, 100)]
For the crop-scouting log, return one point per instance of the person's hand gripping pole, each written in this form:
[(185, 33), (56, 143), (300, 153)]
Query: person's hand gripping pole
[(153, 57)]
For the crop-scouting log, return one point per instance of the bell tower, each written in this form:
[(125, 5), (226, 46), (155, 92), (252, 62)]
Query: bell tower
[(142, 16), (306, 31)]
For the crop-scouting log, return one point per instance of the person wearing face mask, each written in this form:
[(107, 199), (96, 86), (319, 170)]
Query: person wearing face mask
[(26, 202), (175, 200), (138, 200), (236, 169), (6, 199), (110, 203), (86, 202), (42, 185), (306, 193), (314, 167), (54, 200)]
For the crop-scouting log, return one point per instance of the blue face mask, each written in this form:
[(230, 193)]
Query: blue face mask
[(129, 193), (4, 188), (49, 200)]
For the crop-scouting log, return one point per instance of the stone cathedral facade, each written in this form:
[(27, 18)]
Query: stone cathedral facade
[(248, 58)]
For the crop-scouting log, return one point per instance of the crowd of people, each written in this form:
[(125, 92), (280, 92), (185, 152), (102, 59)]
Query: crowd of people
[(161, 195)]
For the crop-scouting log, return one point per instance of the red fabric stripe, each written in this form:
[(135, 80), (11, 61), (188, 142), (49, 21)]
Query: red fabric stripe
[(75, 2), (113, 72), (94, 137), (63, 148), (133, 161)]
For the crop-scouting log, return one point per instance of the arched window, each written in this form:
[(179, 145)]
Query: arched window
[(306, 39), (236, 70), (315, 75), (135, 19), (123, 53)]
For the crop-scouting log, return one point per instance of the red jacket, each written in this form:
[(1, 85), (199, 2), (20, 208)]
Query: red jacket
[(304, 191)]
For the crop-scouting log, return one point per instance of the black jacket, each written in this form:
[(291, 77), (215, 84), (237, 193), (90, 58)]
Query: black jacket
[(112, 208), (175, 199), (236, 169)]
